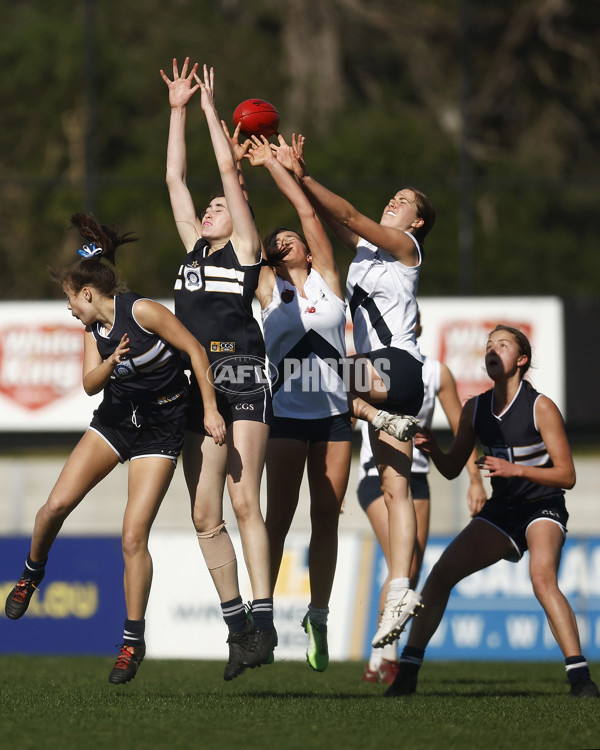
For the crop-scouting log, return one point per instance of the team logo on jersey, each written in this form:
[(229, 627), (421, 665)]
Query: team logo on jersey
[(222, 346), (503, 451), (124, 369), (243, 373), (192, 277)]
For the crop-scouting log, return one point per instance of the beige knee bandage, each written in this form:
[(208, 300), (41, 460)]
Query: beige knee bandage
[(216, 546)]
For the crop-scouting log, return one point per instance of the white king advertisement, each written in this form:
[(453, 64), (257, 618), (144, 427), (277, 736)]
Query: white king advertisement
[(41, 355)]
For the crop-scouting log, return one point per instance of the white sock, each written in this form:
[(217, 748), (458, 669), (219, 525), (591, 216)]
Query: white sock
[(318, 615), (397, 585), (375, 659), (390, 651)]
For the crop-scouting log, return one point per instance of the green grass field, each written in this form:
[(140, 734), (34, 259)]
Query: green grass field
[(67, 702)]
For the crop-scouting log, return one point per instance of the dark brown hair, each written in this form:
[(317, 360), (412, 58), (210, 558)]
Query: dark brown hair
[(95, 270), (522, 343), (425, 211), (276, 256)]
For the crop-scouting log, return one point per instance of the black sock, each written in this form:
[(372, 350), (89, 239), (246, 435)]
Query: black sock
[(411, 659), (133, 632), (234, 614), (34, 570), (577, 669), (262, 613)]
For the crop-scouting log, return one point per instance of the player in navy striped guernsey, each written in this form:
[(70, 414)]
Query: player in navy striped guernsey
[(528, 460), (132, 351), (213, 297)]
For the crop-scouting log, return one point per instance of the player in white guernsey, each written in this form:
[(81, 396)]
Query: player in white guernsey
[(528, 460), (304, 320), (131, 354), (382, 286), (221, 268), (438, 384)]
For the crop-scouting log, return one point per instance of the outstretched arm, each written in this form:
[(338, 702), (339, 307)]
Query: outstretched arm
[(156, 318), (181, 90), (450, 464), (340, 214), (245, 237), (448, 398), (346, 236), (318, 243), (239, 151)]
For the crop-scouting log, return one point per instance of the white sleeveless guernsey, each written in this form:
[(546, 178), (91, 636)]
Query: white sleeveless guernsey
[(382, 297), (304, 338)]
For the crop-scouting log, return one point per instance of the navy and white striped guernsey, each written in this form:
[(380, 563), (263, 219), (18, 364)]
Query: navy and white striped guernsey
[(152, 370), (213, 299), (514, 436)]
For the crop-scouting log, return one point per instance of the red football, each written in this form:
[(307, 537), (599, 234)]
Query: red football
[(257, 117)]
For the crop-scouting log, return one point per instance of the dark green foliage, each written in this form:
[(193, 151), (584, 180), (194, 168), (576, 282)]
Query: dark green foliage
[(377, 87)]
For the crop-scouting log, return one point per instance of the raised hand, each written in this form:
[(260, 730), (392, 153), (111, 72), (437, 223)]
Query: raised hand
[(239, 149), (261, 151), (291, 157), (182, 87), (207, 88)]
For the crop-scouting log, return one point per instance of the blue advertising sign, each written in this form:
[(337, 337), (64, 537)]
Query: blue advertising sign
[(80, 607), (494, 614)]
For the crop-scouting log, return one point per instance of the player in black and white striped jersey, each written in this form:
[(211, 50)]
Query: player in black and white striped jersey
[(213, 297), (529, 463), (131, 353)]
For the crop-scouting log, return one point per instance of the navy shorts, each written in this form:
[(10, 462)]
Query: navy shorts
[(327, 430), (163, 437), (369, 488), (404, 374), (514, 518), (252, 406)]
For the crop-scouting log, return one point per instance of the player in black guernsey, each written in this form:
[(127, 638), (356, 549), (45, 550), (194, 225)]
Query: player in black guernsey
[(528, 460), (132, 351), (213, 296)]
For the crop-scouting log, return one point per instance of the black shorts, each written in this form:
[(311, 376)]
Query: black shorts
[(327, 430), (248, 405), (162, 437), (404, 376), (369, 488), (514, 518)]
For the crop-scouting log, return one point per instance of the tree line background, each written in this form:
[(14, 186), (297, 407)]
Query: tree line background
[(491, 108)]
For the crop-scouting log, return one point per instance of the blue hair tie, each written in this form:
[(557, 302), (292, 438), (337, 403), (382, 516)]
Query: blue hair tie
[(89, 251)]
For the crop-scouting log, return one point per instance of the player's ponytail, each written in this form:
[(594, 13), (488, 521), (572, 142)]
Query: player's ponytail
[(101, 243)]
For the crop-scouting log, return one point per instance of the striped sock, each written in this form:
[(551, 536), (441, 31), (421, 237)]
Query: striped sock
[(34, 570), (262, 613), (234, 614), (133, 632), (411, 659), (577, 669)]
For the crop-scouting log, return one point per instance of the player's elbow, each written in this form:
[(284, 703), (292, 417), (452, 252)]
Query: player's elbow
[(570, 480)]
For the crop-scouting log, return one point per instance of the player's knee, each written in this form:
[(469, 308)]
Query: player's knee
[(542, 583), (216, 546), (57, 507), (133, 542)]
